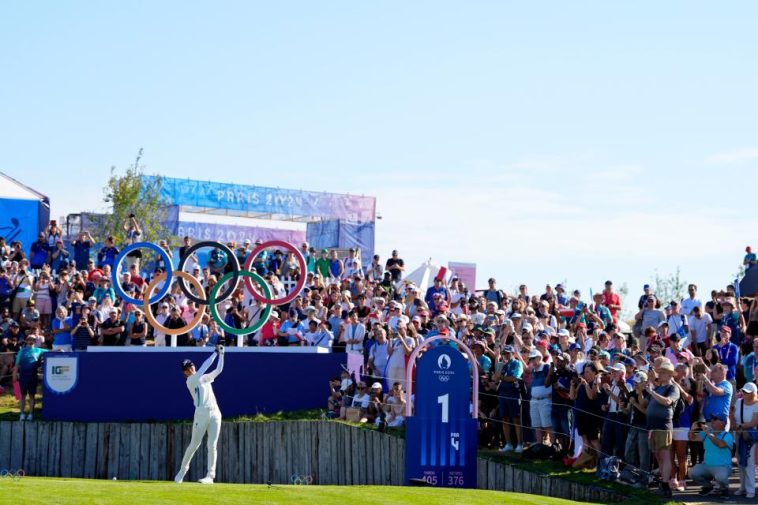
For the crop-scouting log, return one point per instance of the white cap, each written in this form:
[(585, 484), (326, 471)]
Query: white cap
[(749, 387), (563, 332), (618, 367), (526, 326), (534, 353)]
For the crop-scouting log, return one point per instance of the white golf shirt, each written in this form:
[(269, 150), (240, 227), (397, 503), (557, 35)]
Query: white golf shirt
[(199, 384)]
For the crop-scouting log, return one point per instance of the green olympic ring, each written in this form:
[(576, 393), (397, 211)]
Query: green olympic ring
[(214, 311)]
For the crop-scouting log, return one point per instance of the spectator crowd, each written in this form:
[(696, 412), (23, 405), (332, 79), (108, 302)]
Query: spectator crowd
[(673, 397)]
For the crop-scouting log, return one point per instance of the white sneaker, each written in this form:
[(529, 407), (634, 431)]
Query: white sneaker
[(507, 448), (22, 417), (739, 492), (519, 449), (206, 480), (28, 417)]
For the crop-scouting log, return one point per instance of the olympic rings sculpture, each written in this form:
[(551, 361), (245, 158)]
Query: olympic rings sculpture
[(214, 298), (10, 474), (299, 480)]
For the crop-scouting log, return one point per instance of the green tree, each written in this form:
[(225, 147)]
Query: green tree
[(670, 287), (129, 193)]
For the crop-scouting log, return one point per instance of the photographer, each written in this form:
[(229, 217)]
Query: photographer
[(83, 331), (617, 416), (718, 457), (561, 375)]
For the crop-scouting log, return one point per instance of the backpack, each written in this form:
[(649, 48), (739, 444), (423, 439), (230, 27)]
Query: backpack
[(608, 469), (540, 452)]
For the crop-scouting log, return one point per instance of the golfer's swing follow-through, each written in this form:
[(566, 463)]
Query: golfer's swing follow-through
[(207, 414)]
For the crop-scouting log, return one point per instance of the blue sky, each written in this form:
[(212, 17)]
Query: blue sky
[(545, 141)]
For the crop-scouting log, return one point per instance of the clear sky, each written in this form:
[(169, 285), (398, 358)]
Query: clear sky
[(545, 141)]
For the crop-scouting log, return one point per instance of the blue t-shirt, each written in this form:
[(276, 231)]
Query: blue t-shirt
[(38, 254), (728, 354), (718, 405), (715, 456), (288, 324), (81, 253), (334, 267), (107, 256), (28, 358), (65, 337)]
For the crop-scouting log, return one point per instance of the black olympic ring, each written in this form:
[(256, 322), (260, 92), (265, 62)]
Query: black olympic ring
[(231, 257)]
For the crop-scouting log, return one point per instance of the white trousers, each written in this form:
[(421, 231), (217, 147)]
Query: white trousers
[(206, 420), (747, 473)]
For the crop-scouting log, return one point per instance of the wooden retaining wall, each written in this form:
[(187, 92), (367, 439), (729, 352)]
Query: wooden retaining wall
[(328, 452)]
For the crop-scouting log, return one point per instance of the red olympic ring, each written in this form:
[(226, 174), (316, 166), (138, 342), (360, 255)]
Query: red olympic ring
[(300, 283)]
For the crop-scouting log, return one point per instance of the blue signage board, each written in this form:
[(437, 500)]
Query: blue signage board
[(441, 437)]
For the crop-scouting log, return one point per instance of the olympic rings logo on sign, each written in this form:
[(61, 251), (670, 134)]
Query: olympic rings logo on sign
[(10, 474), (300, 480), (214, 298)]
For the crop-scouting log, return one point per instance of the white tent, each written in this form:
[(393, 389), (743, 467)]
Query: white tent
[(423, 275)]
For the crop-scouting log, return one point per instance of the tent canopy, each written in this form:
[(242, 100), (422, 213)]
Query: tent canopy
[(423, 275)]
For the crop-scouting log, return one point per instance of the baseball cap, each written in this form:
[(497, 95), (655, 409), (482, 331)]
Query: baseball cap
[(534, 354), (640, 377), (376, 385), (186, 364), (563, 332), (526, 326), (515, 315), (575, 347), (508, 349), (618, 367), (113, 311), (749, 387), (646, 286)]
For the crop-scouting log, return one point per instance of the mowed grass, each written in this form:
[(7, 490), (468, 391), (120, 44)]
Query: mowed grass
[(48, 491)]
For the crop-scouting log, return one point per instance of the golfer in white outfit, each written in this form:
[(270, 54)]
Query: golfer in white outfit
[(207, 414)]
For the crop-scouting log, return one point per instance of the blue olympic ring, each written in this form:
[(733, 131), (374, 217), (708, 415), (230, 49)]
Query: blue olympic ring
[(166, 285)]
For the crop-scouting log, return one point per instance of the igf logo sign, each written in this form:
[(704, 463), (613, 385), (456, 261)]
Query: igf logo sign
[(60, 369)]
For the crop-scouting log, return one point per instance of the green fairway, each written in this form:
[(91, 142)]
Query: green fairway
[(44, 491)]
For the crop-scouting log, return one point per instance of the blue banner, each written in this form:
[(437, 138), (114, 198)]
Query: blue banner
[(148, 385), (441, 437), (257, 199), (227, 233), (20, 220)]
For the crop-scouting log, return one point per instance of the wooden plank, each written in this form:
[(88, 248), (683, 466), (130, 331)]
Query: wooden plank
[(313, 434), (90, 450), (247, 450), (29, 463), (101, 456), (368, 463), (324, 464), (114, 450), (124, 438), (17, 445), (178, 449), (157, 462), (43, 445), (5, 443), (78, 450), (53, 462), (143, 471), (67, 451)]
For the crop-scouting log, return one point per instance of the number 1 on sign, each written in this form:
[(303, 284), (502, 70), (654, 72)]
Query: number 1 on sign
[(443, 400)]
